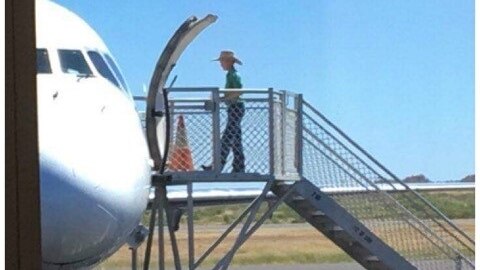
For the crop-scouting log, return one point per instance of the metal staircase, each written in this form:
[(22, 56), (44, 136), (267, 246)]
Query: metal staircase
[(401, 217), (316, 169), (331, 219)]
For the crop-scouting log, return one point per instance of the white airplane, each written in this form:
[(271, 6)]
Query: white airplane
[(94, 160)]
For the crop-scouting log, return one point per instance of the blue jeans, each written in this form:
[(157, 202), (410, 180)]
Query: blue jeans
[(232, 138)]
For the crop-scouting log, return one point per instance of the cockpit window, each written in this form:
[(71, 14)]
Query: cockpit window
[(116, 70), (43, 63), (73, 62), (102, 67)]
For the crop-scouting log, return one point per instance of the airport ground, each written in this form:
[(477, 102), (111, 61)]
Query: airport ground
[(273, 246)]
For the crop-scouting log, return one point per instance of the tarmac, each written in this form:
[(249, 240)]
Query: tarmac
[(323, 266)]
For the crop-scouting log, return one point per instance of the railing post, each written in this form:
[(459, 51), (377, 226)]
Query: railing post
[(216, 130), (134, 258), (283, 118), (271, 134), (171, 130), (191, 231), (299, 134), (161, 221)]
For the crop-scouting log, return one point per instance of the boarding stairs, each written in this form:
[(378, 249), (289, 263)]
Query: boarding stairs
[(331, 219), (315, 168)]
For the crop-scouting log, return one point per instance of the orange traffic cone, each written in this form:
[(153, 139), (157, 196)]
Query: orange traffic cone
[(181, 157)]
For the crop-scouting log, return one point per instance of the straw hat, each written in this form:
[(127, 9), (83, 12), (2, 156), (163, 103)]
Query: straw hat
[(228, 55)]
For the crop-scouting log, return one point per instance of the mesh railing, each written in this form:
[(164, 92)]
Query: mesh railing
[(286, 142), (244, 128), (191, 143), (404, 220), (211, 133)]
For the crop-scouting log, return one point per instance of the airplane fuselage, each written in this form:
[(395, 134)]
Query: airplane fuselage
[(94, 161)]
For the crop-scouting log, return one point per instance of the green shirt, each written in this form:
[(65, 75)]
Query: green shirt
[(233, 79)]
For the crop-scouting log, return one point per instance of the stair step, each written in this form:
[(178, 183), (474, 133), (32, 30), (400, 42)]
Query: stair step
[(336, 228), (317, 213), (283, 187), (298, 198), (319, 217), (372, 258), (283, 183), (340, 234)]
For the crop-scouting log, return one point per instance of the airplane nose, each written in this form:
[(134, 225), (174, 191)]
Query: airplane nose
[(75, 227), (94, 177)]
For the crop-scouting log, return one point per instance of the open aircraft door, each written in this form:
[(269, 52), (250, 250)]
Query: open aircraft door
[(157, 113)]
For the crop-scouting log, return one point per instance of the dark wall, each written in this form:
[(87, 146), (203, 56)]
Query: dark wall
[(22, 200)]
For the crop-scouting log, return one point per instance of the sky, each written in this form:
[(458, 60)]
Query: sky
[(397, 76)]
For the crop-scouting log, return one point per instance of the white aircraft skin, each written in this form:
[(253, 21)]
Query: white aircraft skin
[(94, 161)]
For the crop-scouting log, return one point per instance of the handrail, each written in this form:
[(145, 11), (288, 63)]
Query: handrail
[(381, 177), (377, 189), (395, 178)]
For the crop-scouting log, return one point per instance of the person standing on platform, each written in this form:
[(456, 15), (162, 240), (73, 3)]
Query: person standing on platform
[(232, 135)]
